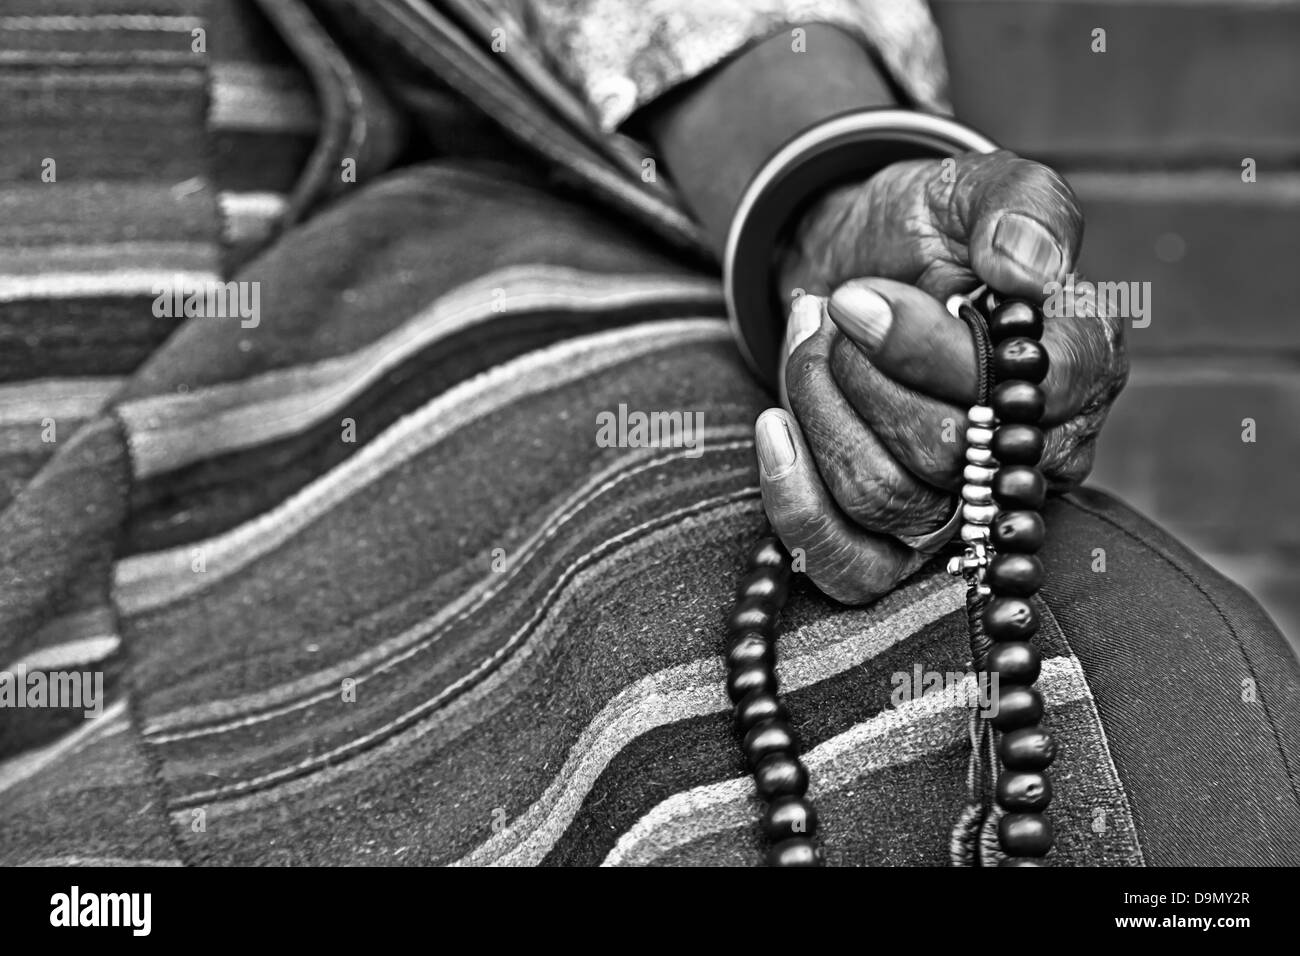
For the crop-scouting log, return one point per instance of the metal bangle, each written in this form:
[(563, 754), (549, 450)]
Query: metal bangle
[(848, 147)]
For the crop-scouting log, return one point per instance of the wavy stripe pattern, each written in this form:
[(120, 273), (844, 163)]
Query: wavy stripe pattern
[(413, 715), (811, 653), (167, 432), (246, 711), (155, 580), (113, 720), (892, 737), (121, 283)]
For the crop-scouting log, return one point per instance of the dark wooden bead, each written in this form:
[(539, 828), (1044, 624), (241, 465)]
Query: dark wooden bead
[(1024, 792), (780, 775), (1015, 317), (1029, 748), (768, 553), (765, 585), (1020, 358), (752, 614), (1011, 861), (1025, 834), (750, 648), (1016, 574), (1010, 619), (788, 818), (1018, 402), (1015, 662), (1018, 706), (1019, 487), (758, 706), (798, 851), (1017, 444), (769, 737), (745, 680), (1018, 531)]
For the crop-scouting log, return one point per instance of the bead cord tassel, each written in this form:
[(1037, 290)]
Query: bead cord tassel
[(964, 847), (762, 722)]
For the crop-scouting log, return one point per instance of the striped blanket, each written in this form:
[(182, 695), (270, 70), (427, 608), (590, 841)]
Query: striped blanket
[(366, 589)]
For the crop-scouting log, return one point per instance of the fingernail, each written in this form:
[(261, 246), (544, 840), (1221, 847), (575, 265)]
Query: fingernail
[(805, 320), (1028, 244), (861, 314), (775, 447)]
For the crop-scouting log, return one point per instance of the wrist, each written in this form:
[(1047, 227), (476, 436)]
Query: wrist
[(837, 150), (716, 134)]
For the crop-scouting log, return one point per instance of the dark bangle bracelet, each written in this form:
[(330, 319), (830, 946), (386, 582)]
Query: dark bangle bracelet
[(845, 148)]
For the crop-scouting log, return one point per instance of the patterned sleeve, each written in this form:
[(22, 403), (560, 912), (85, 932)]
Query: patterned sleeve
[(621, 54)]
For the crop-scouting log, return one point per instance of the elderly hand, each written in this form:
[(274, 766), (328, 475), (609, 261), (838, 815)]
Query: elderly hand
[(867, 455)]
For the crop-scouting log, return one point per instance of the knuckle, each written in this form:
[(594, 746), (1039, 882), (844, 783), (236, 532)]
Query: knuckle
[(1047, 183), (796, 518), (1070, 449), (851, 575), (883, 500)]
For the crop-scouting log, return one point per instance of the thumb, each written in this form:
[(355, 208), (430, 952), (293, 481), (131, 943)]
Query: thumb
[(950, 225), (909, 336), (1023, 220)]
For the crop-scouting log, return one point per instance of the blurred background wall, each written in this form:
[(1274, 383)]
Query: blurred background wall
[(1152, 134)]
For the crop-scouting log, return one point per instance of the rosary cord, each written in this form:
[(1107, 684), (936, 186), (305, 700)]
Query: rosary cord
[(979, 331), (964, 842)]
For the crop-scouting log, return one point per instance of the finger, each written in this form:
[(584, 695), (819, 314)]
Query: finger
[(1073, 467), (1087, 363), (1023, 222), (928, 437), (847, 563), (947, 226), (1069, 449), (806, 316), (871, 488), (925, 435), (910, 337)]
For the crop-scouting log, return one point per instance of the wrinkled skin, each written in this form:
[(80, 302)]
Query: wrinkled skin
[(871, 445)]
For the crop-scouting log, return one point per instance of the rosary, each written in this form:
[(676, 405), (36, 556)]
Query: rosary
[(1001, 529)]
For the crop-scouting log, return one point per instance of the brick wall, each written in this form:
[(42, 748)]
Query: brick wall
[(1152, 134)]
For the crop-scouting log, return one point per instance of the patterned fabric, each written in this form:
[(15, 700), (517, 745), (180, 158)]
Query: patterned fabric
[(622, 56), (365, 588), (104, 186)]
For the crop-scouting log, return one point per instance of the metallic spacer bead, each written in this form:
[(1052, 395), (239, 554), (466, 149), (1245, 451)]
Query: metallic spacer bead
[(977, 475), (974, 561), (977, 494), (979, 514), (979, 437), (980, 456), (982, 416), (971, 533)]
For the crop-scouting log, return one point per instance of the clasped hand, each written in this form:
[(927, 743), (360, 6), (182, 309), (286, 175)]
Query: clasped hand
[(867, 454)]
